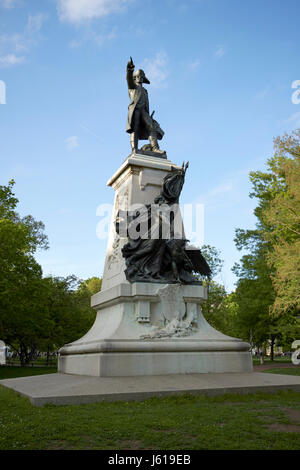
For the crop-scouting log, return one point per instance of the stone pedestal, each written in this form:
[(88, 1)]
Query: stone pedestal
[(138, 181), (148, 328)]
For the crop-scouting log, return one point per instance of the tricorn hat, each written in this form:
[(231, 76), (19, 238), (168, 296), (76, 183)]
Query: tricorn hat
[(145, 79)]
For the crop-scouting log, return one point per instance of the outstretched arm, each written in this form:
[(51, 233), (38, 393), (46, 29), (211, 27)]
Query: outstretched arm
[(129, 76)]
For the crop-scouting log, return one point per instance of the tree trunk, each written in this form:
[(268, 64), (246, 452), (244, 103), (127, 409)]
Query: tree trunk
[(26, 355), (22, 353), (272, 347), (262, 355), (48, 354)]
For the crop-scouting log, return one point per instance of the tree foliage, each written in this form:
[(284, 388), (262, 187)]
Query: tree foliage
[(220, 309), (20, 274), (216, 309), (268, 274), (283, 218), (36, 313)]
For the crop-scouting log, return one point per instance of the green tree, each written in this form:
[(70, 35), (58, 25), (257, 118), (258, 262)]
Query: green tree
[(219, 308), (90, 286), (254, 292), (268, 275), (84, 292), (283, 218), (20, 274), (212, 256), (66, 310), (36, 313)]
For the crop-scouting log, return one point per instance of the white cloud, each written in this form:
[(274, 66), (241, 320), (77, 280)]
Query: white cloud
[(35, 22), (262, 94), (156, 69), (221, 189), (97, 38), (75, 43), (13, 43), (194, 64), (8, 3), (77, 11), (227, 191), (220, 52), (72, 142), (14, 46), (294, 119), (88, 130), (11, 59), (12, 50)]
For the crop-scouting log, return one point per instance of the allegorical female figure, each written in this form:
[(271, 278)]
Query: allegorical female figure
[(156, 248), (140, 125)]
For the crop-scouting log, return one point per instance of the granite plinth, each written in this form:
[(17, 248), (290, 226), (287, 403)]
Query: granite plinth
[(64, 389)]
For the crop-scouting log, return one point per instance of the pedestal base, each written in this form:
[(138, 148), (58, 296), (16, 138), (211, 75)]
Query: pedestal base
[(137, 364), (153, 329)]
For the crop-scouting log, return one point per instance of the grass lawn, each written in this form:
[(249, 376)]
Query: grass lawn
[(277, 360), (9, 372), (287, 371), (259, 421)]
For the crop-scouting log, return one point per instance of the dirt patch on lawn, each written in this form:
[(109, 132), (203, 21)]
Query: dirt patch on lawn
[(284, 427), (131, 445), (294, 416), (166, 430), (59, 445)]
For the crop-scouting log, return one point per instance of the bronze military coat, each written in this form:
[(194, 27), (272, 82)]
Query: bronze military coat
[(134, 95)]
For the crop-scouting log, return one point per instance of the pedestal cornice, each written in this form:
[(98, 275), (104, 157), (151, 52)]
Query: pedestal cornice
[(138, 162)]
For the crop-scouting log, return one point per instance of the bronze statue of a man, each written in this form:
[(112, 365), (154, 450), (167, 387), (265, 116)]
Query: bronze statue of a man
[(140, 125)]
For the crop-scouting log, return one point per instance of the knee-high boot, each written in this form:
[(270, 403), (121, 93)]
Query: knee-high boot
[(134, 142), (154, 144)]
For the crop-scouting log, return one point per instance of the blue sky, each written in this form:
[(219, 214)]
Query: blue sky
[(221, 75)]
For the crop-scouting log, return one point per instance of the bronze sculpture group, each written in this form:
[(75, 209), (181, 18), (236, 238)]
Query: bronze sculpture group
[(156, 250)]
